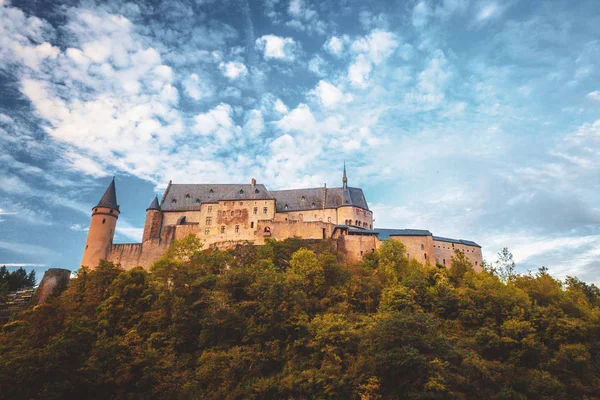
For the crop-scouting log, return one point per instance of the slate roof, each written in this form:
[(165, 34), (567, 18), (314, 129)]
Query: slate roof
[(154, 205), (312, 199), (188, 197), (109, 199), (458, 241), (383, 234)]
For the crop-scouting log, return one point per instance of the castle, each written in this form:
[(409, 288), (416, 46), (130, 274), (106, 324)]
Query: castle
[(225, 215)]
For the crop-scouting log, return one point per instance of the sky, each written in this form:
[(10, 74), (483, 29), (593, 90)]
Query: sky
[(475, 119)]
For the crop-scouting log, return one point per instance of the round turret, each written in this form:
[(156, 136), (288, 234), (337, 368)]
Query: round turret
[(102, 228)]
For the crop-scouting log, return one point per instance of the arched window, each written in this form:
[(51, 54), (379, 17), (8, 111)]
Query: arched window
[(232, 213), (223, 229), (425, 256), (422, 247), (267, 229), (252, 224), (181, 220), (103, 220)]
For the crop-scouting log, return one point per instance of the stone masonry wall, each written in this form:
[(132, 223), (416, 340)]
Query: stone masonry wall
[(445, 250)]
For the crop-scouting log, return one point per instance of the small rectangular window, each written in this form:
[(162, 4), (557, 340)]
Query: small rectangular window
[(264, 210), (222, 229), (252, 224), (209, 209), (206, 231), (208, 220), (255, 210), (237, 228)]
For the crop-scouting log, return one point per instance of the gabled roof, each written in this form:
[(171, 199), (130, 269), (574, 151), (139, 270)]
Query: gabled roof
[(383, 234), (318, 198), (187, 197), (109, 199), (154, 205), (458, 241)]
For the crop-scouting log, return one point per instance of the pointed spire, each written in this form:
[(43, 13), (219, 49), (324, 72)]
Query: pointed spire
[(345, 178), (109, 200), (154, 205)]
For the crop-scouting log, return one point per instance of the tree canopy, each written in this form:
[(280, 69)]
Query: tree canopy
[(290, 320)]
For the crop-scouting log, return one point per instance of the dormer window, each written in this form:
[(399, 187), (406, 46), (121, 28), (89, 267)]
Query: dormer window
[(173, 201), (211, 191), (198, 201), (241, 191), (303, 198), (255, 190), (187, 196), (285, 207), (313, 204)]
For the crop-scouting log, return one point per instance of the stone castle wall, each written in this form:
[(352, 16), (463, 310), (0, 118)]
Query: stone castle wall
[(445, 250)]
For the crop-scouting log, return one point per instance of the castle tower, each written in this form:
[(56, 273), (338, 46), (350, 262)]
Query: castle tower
[(153, 222), (345, 178), (102, 228)]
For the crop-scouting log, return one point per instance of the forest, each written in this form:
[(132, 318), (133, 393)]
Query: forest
[(291, 320), (11, 281)]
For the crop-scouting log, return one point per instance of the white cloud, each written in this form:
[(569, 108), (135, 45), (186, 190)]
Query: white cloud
[(329, 95), (217, 123), (197, 88), (280, 107), (79, 228), (299, 119), (280, 48), (431, 84), (359, 71), (233, 69), (420, 14), (378, 45), (595, 95), (84, 164), (488, 11), (334, 45), (254, 124)]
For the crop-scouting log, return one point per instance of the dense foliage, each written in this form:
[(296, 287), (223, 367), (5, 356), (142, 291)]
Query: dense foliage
[(11, 281), (289, 320)]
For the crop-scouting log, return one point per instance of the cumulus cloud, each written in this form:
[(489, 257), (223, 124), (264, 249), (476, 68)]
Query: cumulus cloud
[(216, 123), (277, 47), (359, 71), (329, 95), (233, 69), (197, 88), (595, 95), (334, 45)]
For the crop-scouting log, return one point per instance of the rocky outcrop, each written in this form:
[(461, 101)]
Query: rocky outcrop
[(54, 282)]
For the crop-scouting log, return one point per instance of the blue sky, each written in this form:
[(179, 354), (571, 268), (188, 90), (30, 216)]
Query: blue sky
[(473, 119)]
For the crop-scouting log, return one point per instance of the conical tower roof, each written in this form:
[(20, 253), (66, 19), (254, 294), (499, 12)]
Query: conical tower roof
[(154, 205), (109, 200)]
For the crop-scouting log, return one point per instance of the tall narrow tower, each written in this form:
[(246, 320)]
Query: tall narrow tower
[(153, 221), (102, 228), (345, 178)]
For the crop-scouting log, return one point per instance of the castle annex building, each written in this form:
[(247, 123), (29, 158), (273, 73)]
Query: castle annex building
[(225, 215)]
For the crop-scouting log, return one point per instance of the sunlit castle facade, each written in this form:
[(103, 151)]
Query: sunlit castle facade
[(226, 215)]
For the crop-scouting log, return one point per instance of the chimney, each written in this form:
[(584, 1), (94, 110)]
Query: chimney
[(253, 182)]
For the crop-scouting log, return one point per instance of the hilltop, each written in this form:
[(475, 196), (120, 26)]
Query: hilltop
[(290, 319)]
